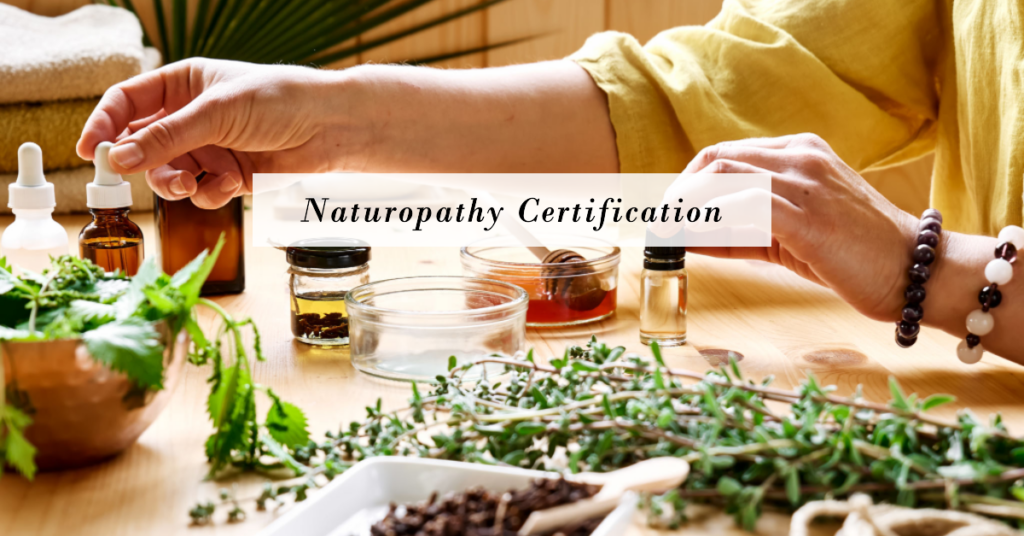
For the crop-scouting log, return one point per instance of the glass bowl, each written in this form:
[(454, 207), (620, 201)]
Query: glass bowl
[(593, 281), (407, 328)]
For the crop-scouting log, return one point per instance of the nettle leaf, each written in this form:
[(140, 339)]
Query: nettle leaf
[(19, 453), (134, 296), (287, 424), (89, 312), (189, 280), (130, 346)]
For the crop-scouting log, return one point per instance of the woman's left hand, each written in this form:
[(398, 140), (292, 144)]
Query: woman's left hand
[(828, 224)]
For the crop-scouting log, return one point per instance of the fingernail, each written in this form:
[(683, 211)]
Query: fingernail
[(177, 187), (128, 155), (228, 184)]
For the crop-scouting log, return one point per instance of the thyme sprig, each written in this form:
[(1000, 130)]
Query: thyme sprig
[(597, 408)]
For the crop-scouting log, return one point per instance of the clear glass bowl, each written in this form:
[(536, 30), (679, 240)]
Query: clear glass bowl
[(593, 281), (406, 329)]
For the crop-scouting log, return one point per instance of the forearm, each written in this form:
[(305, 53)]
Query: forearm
[(958, 275), (542, 117)]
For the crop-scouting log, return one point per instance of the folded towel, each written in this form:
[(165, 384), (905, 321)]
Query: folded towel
[(69, 187), (73, 56), (55, 126)]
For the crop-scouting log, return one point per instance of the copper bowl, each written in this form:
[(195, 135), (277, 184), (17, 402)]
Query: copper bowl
[(83, 412)]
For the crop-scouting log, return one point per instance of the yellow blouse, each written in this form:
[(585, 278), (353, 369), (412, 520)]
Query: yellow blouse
[(883, 81)]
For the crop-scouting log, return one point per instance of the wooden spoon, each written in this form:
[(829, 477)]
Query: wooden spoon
[(656, 475)]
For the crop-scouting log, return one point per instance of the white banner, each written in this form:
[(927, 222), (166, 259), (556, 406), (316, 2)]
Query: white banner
[(454, 210)]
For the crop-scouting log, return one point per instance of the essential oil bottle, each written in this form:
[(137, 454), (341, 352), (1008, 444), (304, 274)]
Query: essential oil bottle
[(185, 230), (111, 241), (33, 237), (663, 296)]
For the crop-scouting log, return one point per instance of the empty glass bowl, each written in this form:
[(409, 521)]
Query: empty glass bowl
[(406, 329)]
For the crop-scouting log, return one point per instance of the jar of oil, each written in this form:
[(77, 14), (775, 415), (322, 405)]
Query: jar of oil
[(111, 241), (321, 273)]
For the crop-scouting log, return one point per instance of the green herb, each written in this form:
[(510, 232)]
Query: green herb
[(117, 319), (745, 453)]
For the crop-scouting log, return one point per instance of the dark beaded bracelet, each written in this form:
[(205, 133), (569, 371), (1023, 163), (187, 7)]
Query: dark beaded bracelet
[(923, 255)]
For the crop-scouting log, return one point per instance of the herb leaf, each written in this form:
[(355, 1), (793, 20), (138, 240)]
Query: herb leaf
[(130, 346), (287, 423)]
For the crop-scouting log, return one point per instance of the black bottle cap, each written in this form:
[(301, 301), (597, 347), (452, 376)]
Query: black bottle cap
[(328, 253), (664, 255)]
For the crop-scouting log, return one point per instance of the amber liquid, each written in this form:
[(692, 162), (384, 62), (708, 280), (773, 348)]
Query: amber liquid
[(320, 318), (112, 241), (185, 230), (113, 254)]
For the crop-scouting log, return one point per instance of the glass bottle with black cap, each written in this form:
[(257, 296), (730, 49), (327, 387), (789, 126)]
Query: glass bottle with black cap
[(663, 296), (321, 271)]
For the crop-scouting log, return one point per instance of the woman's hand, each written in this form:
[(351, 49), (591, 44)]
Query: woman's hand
[(828, 224), (234, 119), (228, 119)]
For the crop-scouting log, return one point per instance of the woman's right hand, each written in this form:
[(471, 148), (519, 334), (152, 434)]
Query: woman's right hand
[(229, 119)]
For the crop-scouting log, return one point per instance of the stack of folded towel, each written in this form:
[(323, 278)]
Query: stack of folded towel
[(53, 71)]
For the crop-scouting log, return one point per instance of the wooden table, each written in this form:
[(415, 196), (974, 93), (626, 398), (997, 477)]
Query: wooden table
[(783, 325)]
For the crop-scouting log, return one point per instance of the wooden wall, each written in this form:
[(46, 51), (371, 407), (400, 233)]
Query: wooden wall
[(561, 27)]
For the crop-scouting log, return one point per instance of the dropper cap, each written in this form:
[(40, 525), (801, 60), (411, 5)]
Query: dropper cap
[(30, 191), (108, 189)]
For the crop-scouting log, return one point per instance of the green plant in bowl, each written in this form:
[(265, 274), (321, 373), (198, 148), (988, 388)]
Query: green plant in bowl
[(120, 321)]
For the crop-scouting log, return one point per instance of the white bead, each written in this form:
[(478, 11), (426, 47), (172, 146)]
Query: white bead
[(999, 271), (969, 355), (1012, 234), (980, 323)]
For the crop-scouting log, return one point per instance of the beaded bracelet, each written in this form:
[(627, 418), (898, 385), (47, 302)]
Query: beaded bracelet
[(998, 272), (923, 255)]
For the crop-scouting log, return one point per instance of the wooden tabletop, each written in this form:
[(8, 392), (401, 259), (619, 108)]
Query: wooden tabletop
[(783, 325)]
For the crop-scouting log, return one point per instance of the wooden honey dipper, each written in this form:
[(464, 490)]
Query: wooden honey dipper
[(578, 288)]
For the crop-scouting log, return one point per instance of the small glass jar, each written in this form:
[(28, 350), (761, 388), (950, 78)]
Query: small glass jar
[(321, 272)]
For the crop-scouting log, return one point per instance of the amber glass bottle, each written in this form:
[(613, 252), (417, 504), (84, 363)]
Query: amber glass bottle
[(112, 241), (185, 230)]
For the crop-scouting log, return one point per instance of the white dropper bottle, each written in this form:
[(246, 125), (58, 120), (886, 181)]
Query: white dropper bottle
[(29, 242)]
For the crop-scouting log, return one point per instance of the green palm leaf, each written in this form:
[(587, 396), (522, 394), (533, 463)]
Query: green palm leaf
[(307, 32)]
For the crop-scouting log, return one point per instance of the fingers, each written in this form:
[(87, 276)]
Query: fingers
[(167, 88), (224, 179), (771, 153), (176, 180), (164, 140)]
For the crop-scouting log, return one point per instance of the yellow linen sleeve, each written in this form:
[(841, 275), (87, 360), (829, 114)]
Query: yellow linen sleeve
[(859, 73)]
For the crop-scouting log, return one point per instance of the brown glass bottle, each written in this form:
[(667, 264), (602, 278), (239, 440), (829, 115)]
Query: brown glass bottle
[(185, 230), (112, 241)]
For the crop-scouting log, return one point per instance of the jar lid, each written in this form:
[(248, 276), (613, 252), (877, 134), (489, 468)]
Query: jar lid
[(328, 253)]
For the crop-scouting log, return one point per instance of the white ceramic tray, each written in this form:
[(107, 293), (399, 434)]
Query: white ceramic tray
[(354, 501)]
